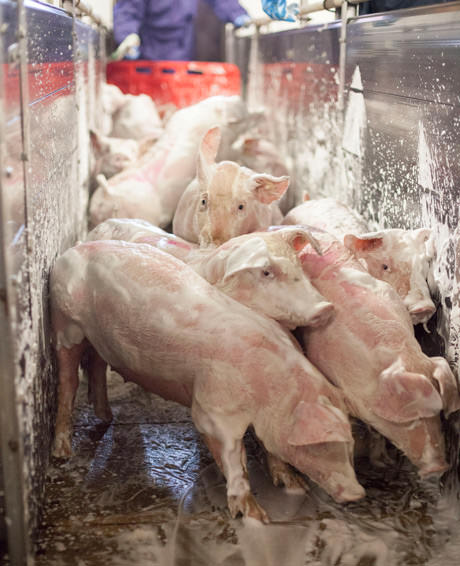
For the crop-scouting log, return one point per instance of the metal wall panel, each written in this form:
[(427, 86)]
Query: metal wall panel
[(404, 69), (44, 195), (14, 284), (294, 75)]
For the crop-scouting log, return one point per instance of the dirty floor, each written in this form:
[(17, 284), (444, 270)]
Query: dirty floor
[(144, 491)]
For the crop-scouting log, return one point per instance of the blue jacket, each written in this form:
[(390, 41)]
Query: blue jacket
[(166, 27)]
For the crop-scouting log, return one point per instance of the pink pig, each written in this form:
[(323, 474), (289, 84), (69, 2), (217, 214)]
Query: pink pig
[(370, 352), (162, 174), (159, 324), (260, 270), (112, 155), (399, 257), (226, 200)]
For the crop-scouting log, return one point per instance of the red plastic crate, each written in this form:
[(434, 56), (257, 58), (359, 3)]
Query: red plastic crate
[(179, 82)]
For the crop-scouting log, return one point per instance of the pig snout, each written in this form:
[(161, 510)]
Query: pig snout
[(322, 315), (434, 469), (421, 311), (347, 493)]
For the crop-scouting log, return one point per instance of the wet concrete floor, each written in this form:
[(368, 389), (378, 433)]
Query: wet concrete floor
[(144, 490)]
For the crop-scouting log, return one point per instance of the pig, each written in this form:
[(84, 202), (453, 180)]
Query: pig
[(399, 257), (159, 324), (112, 155), (137, 119), (124, 199), (260, 270), (169, 166), (259, 154), (226, 200), (369, 351), (112, 99)]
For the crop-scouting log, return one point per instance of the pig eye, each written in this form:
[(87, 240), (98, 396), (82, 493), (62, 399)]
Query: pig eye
[(385, 267), (203, 202), (240, 207), (267, 272)]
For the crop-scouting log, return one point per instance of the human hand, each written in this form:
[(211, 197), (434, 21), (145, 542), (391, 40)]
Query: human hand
[(129, 48), (242, 20)]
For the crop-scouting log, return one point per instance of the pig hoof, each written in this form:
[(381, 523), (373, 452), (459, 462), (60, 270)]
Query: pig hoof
[(247, 506), (62, 446), (104, 413)]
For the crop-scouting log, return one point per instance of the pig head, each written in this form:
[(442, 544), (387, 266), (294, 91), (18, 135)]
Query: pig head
[(262, 271), (401, 258), (226, 200), (112, 155)]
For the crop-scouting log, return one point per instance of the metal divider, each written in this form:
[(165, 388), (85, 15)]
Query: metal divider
[(44, 191)]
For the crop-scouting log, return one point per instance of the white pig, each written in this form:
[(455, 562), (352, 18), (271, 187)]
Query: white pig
[(159, 324), (112, 99), (399, 257), (370, 352), (259, 154), (125, 199), (226, 200), (170, 165), (112, 155), (137, 119), (260, 270)]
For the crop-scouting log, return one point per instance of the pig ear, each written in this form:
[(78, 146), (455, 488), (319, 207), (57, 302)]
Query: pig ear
[(98, 142), (209, 147), (101, 179), (362, 243), (267, 188), (447, 384), (422, 234), (403, 396), (298, 239), (315, 423), (252, 253)]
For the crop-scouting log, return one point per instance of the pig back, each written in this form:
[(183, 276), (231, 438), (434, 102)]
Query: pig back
[(150, 315)]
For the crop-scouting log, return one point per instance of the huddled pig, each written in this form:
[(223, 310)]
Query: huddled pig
[(369, 351), (399, 257), (170, 165), (112, 155), (137, 119), (259, 154), (226, 200), (260, 270), (125, 199), (159, 324)]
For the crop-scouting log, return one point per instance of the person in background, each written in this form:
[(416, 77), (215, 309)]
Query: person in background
[(165, 29)]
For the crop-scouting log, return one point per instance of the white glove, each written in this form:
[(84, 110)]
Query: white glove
[(128, 48)]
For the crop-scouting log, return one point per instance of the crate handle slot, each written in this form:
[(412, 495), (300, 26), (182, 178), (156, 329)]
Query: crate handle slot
[(168, 70), (145, 70), (194, 72)]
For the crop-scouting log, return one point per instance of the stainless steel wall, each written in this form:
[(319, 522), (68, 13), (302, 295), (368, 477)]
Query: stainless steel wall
[(52, 67), (393, 151)]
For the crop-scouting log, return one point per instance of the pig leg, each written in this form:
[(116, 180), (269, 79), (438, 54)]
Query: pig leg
[(68, 360), (228, 451), (283, 475), (97, 386)]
